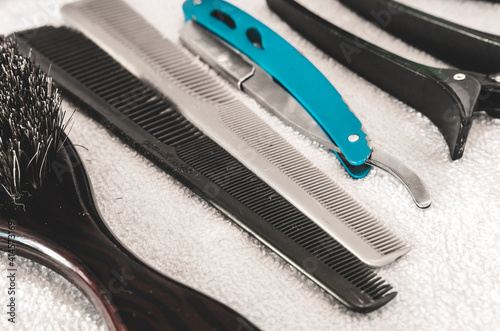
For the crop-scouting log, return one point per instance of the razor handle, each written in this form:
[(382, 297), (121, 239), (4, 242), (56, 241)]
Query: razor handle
[(437, 93), (287, 66), (458, 45), (61, 228)]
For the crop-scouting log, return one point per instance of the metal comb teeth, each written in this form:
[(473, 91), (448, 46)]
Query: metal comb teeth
[(210, 106), (183, 151)]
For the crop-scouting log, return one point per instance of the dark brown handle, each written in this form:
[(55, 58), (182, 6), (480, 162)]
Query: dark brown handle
[(129, 294), (62, 229)]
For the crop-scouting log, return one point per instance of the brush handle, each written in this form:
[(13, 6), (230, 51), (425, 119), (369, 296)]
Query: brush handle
[(62, 229)]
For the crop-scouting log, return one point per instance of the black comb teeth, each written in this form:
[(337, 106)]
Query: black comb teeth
[(151, 125)]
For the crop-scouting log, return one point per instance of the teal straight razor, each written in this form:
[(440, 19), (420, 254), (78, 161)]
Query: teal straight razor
[(289, 68), (262, 64)]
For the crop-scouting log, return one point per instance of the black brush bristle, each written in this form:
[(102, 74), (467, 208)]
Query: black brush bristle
[(31, 122)]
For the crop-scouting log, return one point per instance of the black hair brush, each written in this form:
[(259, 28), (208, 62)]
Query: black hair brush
[(47, 214)]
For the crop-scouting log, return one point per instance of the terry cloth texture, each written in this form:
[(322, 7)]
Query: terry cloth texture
[(449, 281)]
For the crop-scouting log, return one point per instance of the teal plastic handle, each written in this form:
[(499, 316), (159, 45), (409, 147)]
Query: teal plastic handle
[(290, 68)]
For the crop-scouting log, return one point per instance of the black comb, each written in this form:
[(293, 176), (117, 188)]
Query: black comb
[(150, 124)]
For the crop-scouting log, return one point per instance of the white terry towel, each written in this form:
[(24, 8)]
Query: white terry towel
[(450, 280)]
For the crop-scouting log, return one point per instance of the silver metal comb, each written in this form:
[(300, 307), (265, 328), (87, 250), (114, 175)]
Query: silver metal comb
[(210, 105)]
